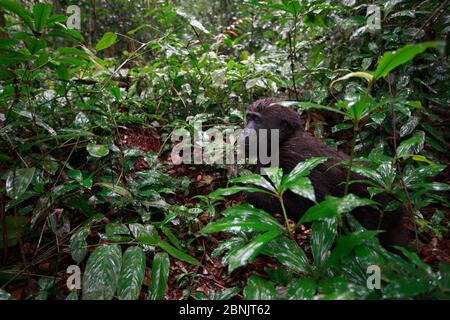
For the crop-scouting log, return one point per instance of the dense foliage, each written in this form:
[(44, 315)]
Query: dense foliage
[(87, 117)]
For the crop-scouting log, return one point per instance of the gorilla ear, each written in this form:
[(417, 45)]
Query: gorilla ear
[(289, 124)]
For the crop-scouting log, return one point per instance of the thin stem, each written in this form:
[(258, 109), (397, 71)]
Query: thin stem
[(286, 220), (352, 156)]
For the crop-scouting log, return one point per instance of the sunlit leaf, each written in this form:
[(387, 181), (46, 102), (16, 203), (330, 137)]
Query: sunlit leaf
[(108, 39)]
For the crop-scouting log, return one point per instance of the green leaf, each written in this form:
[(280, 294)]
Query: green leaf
[(160, 274), (72, 295), (97, 150), (78, 244), (403, 288), (303, 169), (180, 255), (250, 250), (303, 187), (393, 59), (346, 243), (259, 289), (17, 8), (333, 207), (322, 238), (275, 175), (288, 253), (310, 105), (363, 75), (106, 41), (132, 274), (255, 179), (243, 218), (116, 189), (412, 145), (233, 190), (102, 273), (41, 12), (17, 182)]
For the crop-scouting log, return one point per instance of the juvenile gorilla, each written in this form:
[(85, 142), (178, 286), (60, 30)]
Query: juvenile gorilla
[(297, 145)]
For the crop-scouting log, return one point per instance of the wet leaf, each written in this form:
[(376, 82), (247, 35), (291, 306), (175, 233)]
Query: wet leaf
[(243, 218), (322, 238), (255, 180), (249, 252), (288, 253), (259, 289), (102, 273)]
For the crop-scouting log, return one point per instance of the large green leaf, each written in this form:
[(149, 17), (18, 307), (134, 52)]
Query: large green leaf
[(250, 250), (243, 218), (160, 274), (132, 274), (41, 12), (102, 273), (106, 41), (393, 59), (259, 289)]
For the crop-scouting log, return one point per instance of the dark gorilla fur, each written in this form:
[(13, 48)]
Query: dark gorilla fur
[(297, 145)]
